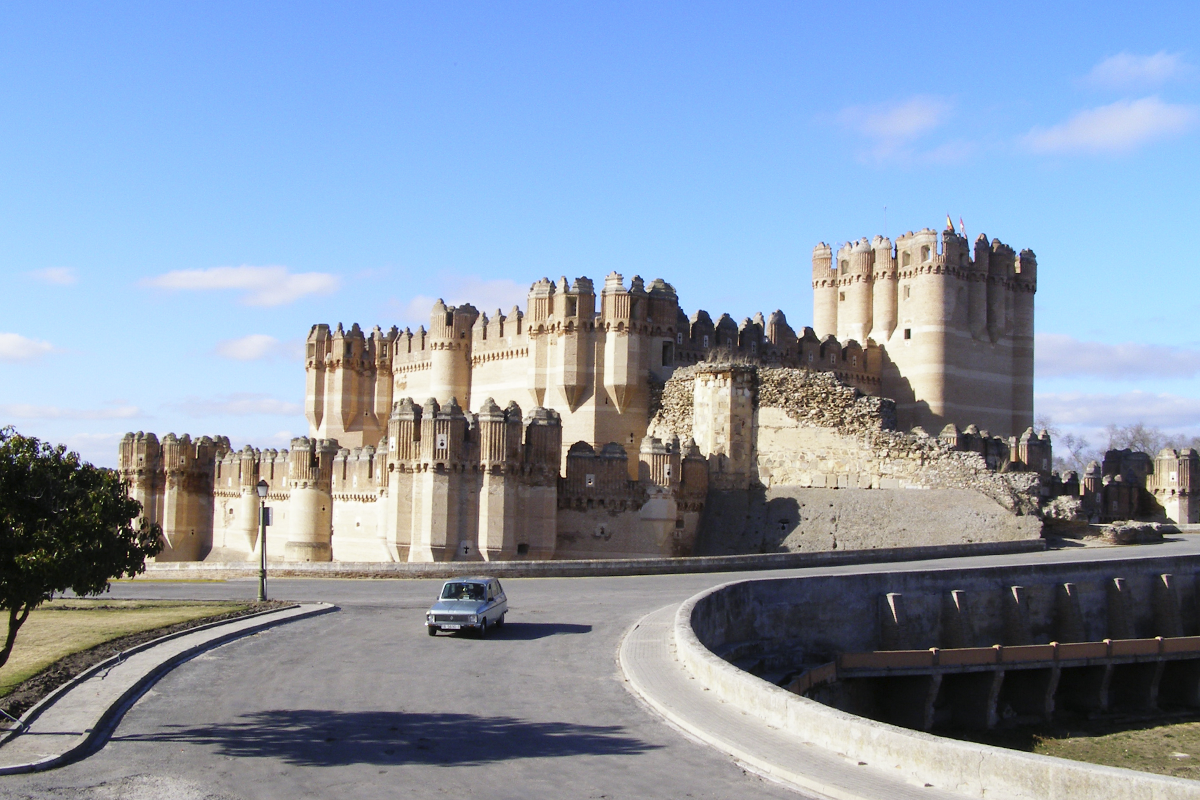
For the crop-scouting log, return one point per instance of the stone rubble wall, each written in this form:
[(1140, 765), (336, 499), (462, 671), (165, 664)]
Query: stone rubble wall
[(814, 431)]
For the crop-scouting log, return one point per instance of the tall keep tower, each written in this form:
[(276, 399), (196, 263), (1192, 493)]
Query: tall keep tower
[(956, 332)]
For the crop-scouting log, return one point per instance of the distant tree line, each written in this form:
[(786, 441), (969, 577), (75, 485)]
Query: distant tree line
[(1072, 451)]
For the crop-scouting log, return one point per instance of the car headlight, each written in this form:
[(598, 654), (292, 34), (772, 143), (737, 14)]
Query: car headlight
[(472, 619)]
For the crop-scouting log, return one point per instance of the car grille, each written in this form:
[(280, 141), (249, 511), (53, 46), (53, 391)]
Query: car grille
[(449, 618)]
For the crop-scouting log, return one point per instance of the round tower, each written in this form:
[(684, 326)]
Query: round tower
[(310, 506), (1024, 287), (883, 291), (825, 291), (854, 292), (450, 351)]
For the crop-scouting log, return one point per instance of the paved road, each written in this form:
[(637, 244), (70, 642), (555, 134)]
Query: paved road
[(363, 704)]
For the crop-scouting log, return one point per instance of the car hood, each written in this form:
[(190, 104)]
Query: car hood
[(459, 606)]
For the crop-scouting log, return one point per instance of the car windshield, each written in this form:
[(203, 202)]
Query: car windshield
[(462, 591)]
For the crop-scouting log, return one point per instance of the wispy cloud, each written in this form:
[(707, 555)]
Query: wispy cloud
[(56, 276), (894, 129), (262, 286), (237, 405), (15, 347), (1116, 128), (118, 410), (1169, 411), (1126, 70), (485, 295), (258, 347), (1061, 356)]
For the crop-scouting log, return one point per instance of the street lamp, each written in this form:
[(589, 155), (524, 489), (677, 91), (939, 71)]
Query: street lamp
[(262, 488)]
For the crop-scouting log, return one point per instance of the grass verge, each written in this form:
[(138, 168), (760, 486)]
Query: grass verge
[(62, 638), (1164, 746)]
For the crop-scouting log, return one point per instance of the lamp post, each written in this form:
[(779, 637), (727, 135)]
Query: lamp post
[(262, 488)]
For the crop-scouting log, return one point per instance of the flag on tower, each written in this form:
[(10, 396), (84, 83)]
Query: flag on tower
[(962, 229), (949, 224)]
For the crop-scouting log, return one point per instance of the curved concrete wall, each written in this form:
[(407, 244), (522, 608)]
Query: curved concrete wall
[(739, 611)]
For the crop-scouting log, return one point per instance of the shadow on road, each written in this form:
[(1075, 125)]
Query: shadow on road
[(339, 738), (533, 630)]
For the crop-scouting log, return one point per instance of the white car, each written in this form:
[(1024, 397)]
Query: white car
[(468, 604)]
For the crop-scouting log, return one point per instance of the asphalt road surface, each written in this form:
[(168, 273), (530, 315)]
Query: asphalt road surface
[(361, 703)]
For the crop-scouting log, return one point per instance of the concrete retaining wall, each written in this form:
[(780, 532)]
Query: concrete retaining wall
[(728, 613), (561, 569)]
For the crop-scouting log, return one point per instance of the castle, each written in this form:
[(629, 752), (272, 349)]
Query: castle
[(528, 435)]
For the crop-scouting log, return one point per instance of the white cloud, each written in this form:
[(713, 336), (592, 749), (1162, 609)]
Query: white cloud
[(1059, 356), (263, 286), (905, 120), (57, 276), (485, 295), (15, 347), (258, 347), (238, 405), (1125, 70), (1119, 127), (31, 411), (1083, 409), (895, 127)]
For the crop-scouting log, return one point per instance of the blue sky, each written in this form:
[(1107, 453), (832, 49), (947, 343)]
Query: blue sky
[(187, 188)]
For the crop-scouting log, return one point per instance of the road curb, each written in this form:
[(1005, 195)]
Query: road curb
[(98, 733), (702, 734), (572, 568)]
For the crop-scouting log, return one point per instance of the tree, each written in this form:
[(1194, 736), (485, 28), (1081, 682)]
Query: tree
[(64, 524), (1071, 451)]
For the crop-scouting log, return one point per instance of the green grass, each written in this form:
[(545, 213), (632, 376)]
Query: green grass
[(1167, 749)]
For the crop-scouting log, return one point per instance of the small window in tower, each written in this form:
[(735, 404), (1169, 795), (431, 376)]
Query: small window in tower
[(312, 350), (441, 441), (572, 306), (679, 338), (908, 333), (907, 260), (706, 340), (833, 358), (348, 350), (841, 295), (383, 349), (589, 480), (666, 354), (522, 549), (925, 253), (854, 361), (907, 291)]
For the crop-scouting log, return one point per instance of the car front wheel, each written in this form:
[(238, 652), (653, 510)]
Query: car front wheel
[(483, 627), (432, 630), (500, 621)]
